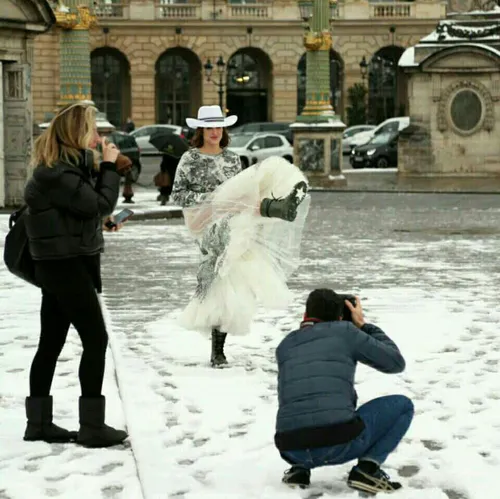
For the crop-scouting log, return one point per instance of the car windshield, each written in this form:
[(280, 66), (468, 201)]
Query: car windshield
[(239, 140), (382, 138)]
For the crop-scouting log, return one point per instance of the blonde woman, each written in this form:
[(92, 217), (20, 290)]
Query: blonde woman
[(248, 225), (68, 196)]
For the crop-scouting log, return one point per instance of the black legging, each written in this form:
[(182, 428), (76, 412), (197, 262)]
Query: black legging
[(69, 297)]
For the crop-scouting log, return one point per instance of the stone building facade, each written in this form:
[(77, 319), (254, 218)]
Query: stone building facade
[(20, 22), (148, 57), (454, 99)]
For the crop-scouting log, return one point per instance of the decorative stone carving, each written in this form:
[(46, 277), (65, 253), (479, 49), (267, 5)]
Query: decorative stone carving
[(444, 29), (487, 120)]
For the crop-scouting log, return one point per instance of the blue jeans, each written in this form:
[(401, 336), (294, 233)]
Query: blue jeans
[(386, 419)]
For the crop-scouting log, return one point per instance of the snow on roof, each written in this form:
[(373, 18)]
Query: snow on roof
[(453, 32), (407, 60)]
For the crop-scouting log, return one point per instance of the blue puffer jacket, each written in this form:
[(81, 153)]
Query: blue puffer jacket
[(316, 369)]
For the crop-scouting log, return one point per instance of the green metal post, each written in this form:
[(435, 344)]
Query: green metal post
[(318, 43), (74, 64)]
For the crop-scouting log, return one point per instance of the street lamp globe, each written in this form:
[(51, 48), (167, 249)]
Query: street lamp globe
[(306, 9), (208, 67)]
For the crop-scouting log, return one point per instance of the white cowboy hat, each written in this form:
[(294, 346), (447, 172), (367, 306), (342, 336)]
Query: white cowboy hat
[(211, 117)]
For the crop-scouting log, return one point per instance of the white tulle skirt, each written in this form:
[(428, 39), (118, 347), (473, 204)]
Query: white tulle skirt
[(246, 258)]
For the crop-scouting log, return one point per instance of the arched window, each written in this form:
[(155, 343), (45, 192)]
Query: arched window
[(336, 82), (248, 82), (386, 85), (110, 72), (178, 88)]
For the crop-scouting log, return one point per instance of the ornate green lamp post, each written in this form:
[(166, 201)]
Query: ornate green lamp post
[(75, 18), (318, 130)]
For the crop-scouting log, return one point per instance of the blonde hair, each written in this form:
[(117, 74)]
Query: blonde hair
[(71, 130)]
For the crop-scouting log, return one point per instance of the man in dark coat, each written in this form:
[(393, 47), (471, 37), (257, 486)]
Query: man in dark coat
[(318, 423)]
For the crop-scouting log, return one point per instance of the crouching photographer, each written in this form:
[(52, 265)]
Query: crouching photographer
[(317, 422)]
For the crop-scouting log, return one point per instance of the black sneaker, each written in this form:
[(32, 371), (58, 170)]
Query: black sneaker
[(371, 482), (297, 477)]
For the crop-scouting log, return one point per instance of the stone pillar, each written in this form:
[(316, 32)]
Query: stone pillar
[(318, 130)]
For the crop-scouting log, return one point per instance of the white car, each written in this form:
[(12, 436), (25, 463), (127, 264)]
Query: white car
[(387, 126), (142, 134), (254, 148), (349, 134)]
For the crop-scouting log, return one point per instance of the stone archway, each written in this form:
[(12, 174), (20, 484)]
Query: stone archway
[(249, 85), (111, 92), (387, 85), (336, 82), (178, 86)]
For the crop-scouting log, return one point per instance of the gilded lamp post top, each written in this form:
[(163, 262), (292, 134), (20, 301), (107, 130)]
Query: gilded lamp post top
[(74, 18)]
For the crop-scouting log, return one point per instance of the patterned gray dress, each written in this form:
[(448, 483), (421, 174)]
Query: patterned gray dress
[(197, 176)]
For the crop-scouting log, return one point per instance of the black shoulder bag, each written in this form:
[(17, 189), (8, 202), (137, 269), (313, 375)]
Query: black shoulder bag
[(16, 255)]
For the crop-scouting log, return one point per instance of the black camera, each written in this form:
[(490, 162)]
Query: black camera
[(346, 313)]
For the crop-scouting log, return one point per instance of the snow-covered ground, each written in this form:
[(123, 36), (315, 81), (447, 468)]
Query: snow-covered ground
[(425, 268)]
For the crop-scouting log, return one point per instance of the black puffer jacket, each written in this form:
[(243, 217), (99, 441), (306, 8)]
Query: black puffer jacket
[(65, 209)]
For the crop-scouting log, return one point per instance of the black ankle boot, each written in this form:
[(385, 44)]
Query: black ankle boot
[(286, 208), (40, 425), (218, 359), (93, 432)]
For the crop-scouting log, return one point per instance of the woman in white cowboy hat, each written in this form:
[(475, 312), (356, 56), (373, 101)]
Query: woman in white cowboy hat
[(249, 239)]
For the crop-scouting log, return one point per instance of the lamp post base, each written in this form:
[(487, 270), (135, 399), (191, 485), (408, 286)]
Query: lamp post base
[(318, 150)]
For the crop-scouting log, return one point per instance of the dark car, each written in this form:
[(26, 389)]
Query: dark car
[(380, 152), (128, 147), (280, 128)]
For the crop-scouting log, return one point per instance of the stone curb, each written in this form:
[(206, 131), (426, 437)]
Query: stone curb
[(156, 214), (399, 191)]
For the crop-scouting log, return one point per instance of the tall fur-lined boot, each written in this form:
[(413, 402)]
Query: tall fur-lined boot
[(217, 358), (94, 432), (40, 425)]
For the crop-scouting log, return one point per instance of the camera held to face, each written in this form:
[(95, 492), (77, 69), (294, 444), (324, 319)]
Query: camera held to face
[(346, 313)]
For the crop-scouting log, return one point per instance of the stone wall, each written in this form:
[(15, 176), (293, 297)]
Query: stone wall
[(433, 144), (280, 44)]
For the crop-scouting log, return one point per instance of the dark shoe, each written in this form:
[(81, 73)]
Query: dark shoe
[(93, 432), (286, 208), (163, 200), (217, 358), (373, 483), (128, 201), (297, 477), (40, 425)]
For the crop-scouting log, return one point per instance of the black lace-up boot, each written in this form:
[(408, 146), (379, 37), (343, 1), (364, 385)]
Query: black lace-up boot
[(218, 359)]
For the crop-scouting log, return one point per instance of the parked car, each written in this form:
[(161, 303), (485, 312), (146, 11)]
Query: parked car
[(264, 126), (351, 132), (128, 147), (143, 133), (389, 125), (380, 152), (253, 148)]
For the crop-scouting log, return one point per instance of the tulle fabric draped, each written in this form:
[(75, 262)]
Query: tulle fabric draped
[(246, 258)]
